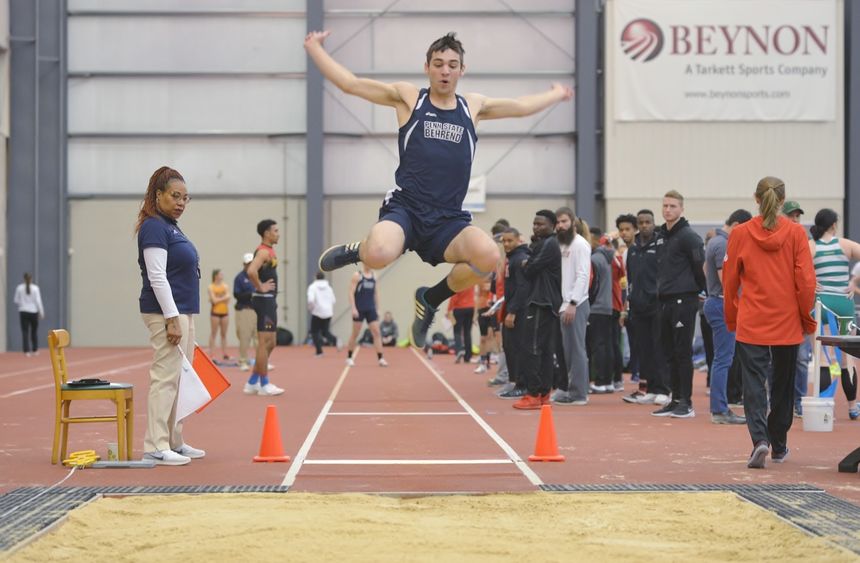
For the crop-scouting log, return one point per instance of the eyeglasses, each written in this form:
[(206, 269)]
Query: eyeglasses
[(176, 196)]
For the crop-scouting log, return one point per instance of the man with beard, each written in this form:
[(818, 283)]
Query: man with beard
[(574, 311), (543, 271), (645, 313), (680, 279)]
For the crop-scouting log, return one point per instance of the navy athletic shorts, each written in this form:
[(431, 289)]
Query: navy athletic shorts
[(428, 231), (368, 316), (267, 313)]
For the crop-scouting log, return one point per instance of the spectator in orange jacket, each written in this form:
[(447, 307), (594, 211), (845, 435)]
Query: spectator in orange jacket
[(769, 290)]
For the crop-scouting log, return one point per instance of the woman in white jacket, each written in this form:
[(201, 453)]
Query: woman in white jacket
[(30, 309)]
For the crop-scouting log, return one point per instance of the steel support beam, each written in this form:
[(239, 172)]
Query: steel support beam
[(36, 203), (314, 138), (588, 167)]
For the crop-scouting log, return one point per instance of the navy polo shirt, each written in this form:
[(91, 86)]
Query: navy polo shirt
[(183, 265)]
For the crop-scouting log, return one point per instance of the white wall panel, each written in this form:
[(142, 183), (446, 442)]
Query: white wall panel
[(182, 105), (491, 44), (365, 166), (186, 43), (210, 166), (186, 5), (349, 114), (451, 5)]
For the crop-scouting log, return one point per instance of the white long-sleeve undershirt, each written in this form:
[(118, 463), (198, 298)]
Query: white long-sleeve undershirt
[(156, 270)]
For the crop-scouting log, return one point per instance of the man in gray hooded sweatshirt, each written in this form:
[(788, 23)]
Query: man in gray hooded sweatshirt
[(599, 334)]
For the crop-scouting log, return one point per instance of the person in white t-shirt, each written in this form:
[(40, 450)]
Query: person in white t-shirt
[(29, 302), (321, 302)]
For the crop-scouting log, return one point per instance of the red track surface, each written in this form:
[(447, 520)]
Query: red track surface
[(606, 442)]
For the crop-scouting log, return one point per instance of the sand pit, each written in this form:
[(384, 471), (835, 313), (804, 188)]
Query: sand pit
[(708, 526)]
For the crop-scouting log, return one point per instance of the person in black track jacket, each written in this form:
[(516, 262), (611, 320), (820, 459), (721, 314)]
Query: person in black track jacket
[(680, 278)]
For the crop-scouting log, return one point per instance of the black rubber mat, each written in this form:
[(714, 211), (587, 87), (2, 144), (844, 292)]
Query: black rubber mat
[(806, 506), (41, 507)]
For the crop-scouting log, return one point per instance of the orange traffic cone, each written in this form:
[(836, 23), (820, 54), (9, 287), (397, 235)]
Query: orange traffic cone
[(271, 447), (546, 447)]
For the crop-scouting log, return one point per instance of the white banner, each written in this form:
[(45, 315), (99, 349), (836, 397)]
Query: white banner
[(725, 60)]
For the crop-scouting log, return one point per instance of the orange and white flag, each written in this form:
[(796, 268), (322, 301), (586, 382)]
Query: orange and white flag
[(200, 383)]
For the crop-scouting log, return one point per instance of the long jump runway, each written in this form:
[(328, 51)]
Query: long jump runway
[(415, 427)]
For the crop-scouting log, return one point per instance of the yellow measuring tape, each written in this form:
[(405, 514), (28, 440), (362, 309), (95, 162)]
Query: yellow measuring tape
[(81, 459)]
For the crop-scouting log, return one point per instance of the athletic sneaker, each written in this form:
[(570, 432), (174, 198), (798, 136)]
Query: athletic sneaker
[(458, 359), (854, 412), (564, 399), (601, 389), (646, 398), (189, 452), (683, 411), (350, 362), (727, 417), (270, 389), (618, 386), (497, 381), (633, 397), (779, 457), (252, 388), (383, 363), (244, 366), (424, 314), (515, 393), (481, 369), (166, 457), (758, 455), (660, 399), (528, 402), (339, 256), (665, 410)]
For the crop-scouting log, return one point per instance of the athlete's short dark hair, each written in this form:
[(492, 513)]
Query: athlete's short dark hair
[(449, 41), (264, 226), (739, 216), (512, 231), (625, 218), (320, 276), (646, 212), (498, 229)]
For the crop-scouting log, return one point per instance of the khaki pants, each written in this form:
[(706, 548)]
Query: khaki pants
[(163, 431), (246, 331)]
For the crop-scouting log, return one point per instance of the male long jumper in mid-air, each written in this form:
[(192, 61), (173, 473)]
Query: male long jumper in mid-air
[(436, 142)]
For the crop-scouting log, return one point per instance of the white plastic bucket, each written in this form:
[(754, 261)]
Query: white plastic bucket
[(817, 414)]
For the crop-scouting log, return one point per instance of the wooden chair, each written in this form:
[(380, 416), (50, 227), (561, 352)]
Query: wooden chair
[(122, 395)]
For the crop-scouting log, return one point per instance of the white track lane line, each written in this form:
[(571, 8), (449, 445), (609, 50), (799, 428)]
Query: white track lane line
[(71, 364), (408, 461), (458, 413), (99, 374), (511, 453), (300, 458)]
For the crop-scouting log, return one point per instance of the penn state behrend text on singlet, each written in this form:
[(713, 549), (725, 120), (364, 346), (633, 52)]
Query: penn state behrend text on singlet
[(437, 147), (364, 292), (269, 269), (831, 267)]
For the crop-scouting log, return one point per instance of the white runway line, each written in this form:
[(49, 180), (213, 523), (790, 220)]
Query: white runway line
[(408, 461), (47, 366), (94, 375), (457, 413), (512, 454), (299, 460)]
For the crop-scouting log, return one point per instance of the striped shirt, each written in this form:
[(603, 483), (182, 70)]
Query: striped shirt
[(831, 267)]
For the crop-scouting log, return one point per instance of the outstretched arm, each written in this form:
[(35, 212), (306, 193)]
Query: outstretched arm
[(370, 90), (497, 108)]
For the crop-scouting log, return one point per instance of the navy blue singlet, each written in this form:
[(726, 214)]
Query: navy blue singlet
[(437, 147), (364, 293)]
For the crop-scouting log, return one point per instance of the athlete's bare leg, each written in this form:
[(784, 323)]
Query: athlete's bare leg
[(383, 245)]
